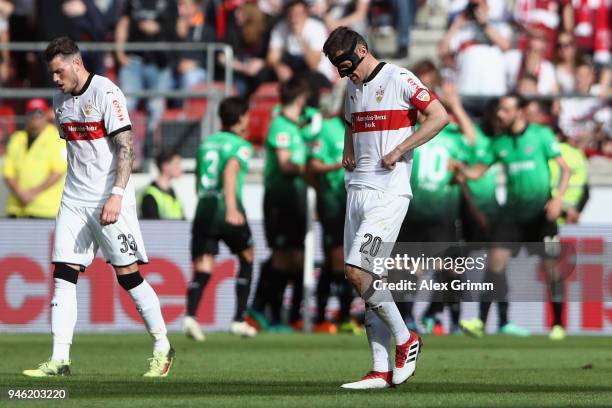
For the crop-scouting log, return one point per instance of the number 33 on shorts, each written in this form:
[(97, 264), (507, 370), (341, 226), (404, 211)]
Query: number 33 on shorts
[(78, 235)]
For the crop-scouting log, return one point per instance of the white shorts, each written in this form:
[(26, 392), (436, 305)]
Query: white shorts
[(79, 234), (371, 225)]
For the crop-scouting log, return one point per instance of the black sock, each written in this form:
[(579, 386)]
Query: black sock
[(502, 310), (557, 313), (433, 309), (344, 291), (557, 298), (295, 313), (243, 288), (262, 293), (323, 290), (484, 311), (195, 290), (278, 284), (455, 312), (500, 294)]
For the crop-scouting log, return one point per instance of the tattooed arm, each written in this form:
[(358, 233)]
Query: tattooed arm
[(125, 158)]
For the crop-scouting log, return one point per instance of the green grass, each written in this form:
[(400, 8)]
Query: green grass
[(306, 370)]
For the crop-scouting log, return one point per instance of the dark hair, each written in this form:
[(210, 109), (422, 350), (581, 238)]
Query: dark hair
[(60, 46), (296, 3), (231, 109), (559, 132), (426, 66), (585, 61), (293, 88), (521, 101), (340, 40), (488, 121), (164, 157)]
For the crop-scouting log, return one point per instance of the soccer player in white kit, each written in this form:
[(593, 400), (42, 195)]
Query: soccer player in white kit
[(98, 208), (382, 105)]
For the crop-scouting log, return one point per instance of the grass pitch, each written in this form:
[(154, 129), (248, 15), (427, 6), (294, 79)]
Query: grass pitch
[(307, 370)]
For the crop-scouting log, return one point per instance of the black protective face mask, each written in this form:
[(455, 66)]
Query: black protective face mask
[(349, 55)]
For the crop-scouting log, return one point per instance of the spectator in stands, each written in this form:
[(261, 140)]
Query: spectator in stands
[(149, 21), (546, 16), (577, 114), (527, 85), (404, 13), (159, 201), (566, 59), (476, 46), (249, 40), (34, 166), (272, 9), (349, 13), (538, 111), (591, 25), (192, 27), (296, 46), (531, 62), (21, 28), (498, 10), (577, 193), (6, 9), (81, 20)]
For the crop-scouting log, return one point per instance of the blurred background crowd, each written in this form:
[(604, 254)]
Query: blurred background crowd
[(556, 51)]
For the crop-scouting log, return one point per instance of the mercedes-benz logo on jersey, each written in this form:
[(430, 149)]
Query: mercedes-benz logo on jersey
[(380, 92)]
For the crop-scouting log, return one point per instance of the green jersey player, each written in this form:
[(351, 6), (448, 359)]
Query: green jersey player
[(326, 163), (222, 162), (434, 208), (529, 213), (284, 205)]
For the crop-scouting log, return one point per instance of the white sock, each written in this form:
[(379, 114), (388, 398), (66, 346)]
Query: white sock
[(63, 318), (390, 314), (379, 339), (147, 304)]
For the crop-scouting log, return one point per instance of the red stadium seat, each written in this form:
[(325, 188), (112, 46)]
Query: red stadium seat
[(268, 91), (260, 116), (173, 114), (195, 108), (7, 125)]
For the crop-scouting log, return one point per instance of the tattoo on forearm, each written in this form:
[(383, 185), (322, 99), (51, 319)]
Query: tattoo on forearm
[(125, 157)]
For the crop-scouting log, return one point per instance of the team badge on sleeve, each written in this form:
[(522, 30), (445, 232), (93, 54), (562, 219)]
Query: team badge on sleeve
[(282, 140), (423, 96), (244, 153)]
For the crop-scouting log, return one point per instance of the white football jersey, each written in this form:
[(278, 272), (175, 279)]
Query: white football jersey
[(382, 113), (88, 121)]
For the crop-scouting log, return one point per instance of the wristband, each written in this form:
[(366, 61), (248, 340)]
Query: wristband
[(117, 191)]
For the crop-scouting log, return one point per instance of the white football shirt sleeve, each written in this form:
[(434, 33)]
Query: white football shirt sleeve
[(114, 112), (414, 92)]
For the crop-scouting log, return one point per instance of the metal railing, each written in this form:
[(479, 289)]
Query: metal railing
[(208, 122)]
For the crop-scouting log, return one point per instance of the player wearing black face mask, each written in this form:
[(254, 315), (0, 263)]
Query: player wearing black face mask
[(349, 55)]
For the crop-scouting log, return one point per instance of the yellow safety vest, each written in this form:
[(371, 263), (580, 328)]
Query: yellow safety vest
[(578, 164), (169, 207), (30, 167)]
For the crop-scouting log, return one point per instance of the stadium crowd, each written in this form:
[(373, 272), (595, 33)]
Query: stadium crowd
[(555, 54), (491, 47)]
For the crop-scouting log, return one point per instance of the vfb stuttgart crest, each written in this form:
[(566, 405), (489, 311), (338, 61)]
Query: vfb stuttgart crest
[(379, 94)]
